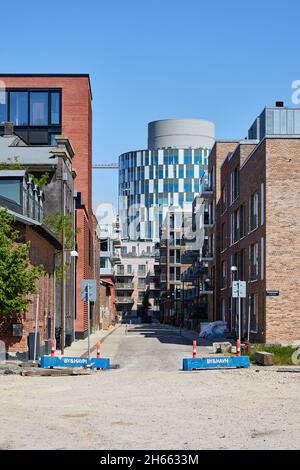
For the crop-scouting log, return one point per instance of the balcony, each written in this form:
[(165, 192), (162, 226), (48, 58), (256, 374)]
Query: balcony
[(207, 289), (124, 301), (124, 286), (188, 257), (107, 272), (206, 191), (208, 221)]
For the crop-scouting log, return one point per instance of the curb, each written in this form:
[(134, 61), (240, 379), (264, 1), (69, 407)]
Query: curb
[(93, 348)]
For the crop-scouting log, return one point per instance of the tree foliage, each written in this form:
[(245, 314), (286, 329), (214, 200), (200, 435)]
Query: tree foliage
[(59, 223), (18, 278)]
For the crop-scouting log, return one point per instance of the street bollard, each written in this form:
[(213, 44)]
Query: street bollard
[(238, 347), (52, 347), (194, 349), (98, 350)]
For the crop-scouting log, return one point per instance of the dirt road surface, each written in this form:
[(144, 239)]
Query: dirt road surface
[(149, 403)]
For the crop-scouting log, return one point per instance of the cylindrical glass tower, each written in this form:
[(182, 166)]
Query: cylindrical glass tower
[(151, 181)]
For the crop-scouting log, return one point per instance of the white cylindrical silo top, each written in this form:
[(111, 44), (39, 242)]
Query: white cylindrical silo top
[(180, 133)]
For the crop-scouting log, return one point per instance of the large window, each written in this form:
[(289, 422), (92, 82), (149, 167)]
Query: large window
[(253, 312), (254, 262), (19, 108), (55, 108), (31, 107), (11, 189), (235, 184), (253, 211), (39, 109)]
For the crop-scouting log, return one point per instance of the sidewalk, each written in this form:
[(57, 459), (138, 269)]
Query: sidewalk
[(79, 348)]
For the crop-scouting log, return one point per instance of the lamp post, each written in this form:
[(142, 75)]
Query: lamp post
[(234, 271), (74, 254)]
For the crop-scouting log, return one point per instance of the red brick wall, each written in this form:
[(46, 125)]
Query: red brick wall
[(77, 126), (41, 253)]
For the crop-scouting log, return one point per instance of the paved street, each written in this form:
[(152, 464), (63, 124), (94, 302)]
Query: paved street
[(149, 403)]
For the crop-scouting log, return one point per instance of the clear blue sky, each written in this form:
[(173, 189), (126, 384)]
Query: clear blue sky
[(154, 59)]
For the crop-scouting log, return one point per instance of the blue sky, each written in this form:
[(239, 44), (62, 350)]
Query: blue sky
[(218, 60)]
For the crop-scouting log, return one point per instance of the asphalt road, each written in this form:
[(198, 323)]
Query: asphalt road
[(149, 403)]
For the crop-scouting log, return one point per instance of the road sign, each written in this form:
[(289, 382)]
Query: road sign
[(88, 286), (235, 289), (239, 289), (242, 289), (272, 293)]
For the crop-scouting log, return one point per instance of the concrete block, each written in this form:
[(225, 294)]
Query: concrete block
[(264, 358), (220, 348)]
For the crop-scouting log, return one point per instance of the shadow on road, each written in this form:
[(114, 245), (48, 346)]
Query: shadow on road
[(166, 334)]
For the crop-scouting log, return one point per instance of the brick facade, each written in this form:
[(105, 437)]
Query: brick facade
[(266, 246), (77, 126)]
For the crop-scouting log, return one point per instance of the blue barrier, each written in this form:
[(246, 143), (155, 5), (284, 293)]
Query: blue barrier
[(216, 362), (92, 363)]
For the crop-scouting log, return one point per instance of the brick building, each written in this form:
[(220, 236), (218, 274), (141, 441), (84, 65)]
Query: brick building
[(31, 205), (261, 236), (42, 106)]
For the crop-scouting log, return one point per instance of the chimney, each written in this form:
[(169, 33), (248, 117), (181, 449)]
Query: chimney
[(8, 128), (279, 104)]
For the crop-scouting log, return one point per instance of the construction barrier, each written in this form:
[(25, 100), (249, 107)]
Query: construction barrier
[(92, 363), (216, 362)]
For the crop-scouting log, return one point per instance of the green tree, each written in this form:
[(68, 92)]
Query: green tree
[(59, 224), (18, 278)]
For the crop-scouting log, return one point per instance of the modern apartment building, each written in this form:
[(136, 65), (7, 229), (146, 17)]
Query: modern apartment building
[(166, 174), (255, 187), (42, 106), (135, 283)]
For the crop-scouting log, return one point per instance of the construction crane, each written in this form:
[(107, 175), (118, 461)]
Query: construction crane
[(105, 166)]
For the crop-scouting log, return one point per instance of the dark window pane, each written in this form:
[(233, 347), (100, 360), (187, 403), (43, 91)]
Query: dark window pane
[(3, 106), (39, 109), (19, 108), (55, 108), (10, 189)]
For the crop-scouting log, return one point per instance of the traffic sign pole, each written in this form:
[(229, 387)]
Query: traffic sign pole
[(88, 300)]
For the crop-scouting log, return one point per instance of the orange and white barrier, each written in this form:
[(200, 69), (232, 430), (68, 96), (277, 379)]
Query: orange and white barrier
[(194, 349)]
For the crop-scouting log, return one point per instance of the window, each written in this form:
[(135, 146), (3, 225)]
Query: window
[(242, 221), (104, 245), (235, 184), (3, 107), (123, 250), (11, 189), (223, 237), (55, 108), (254, 261), (19, 108), (224, 200), (224, 274), (141, 269), (38, 108), (253, 312), (236, 225), (129, 269), (141, 282), (120, 270), (253, 211)]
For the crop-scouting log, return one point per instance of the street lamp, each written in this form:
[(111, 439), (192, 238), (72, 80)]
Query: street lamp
[(73, 254), (234, 271)]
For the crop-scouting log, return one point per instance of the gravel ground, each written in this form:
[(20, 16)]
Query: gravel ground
[(149, 403)]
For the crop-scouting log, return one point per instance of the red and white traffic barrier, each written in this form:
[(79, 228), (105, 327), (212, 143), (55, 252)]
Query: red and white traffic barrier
[(238, 347), (194, 349), (52, 347), (98, 350)]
